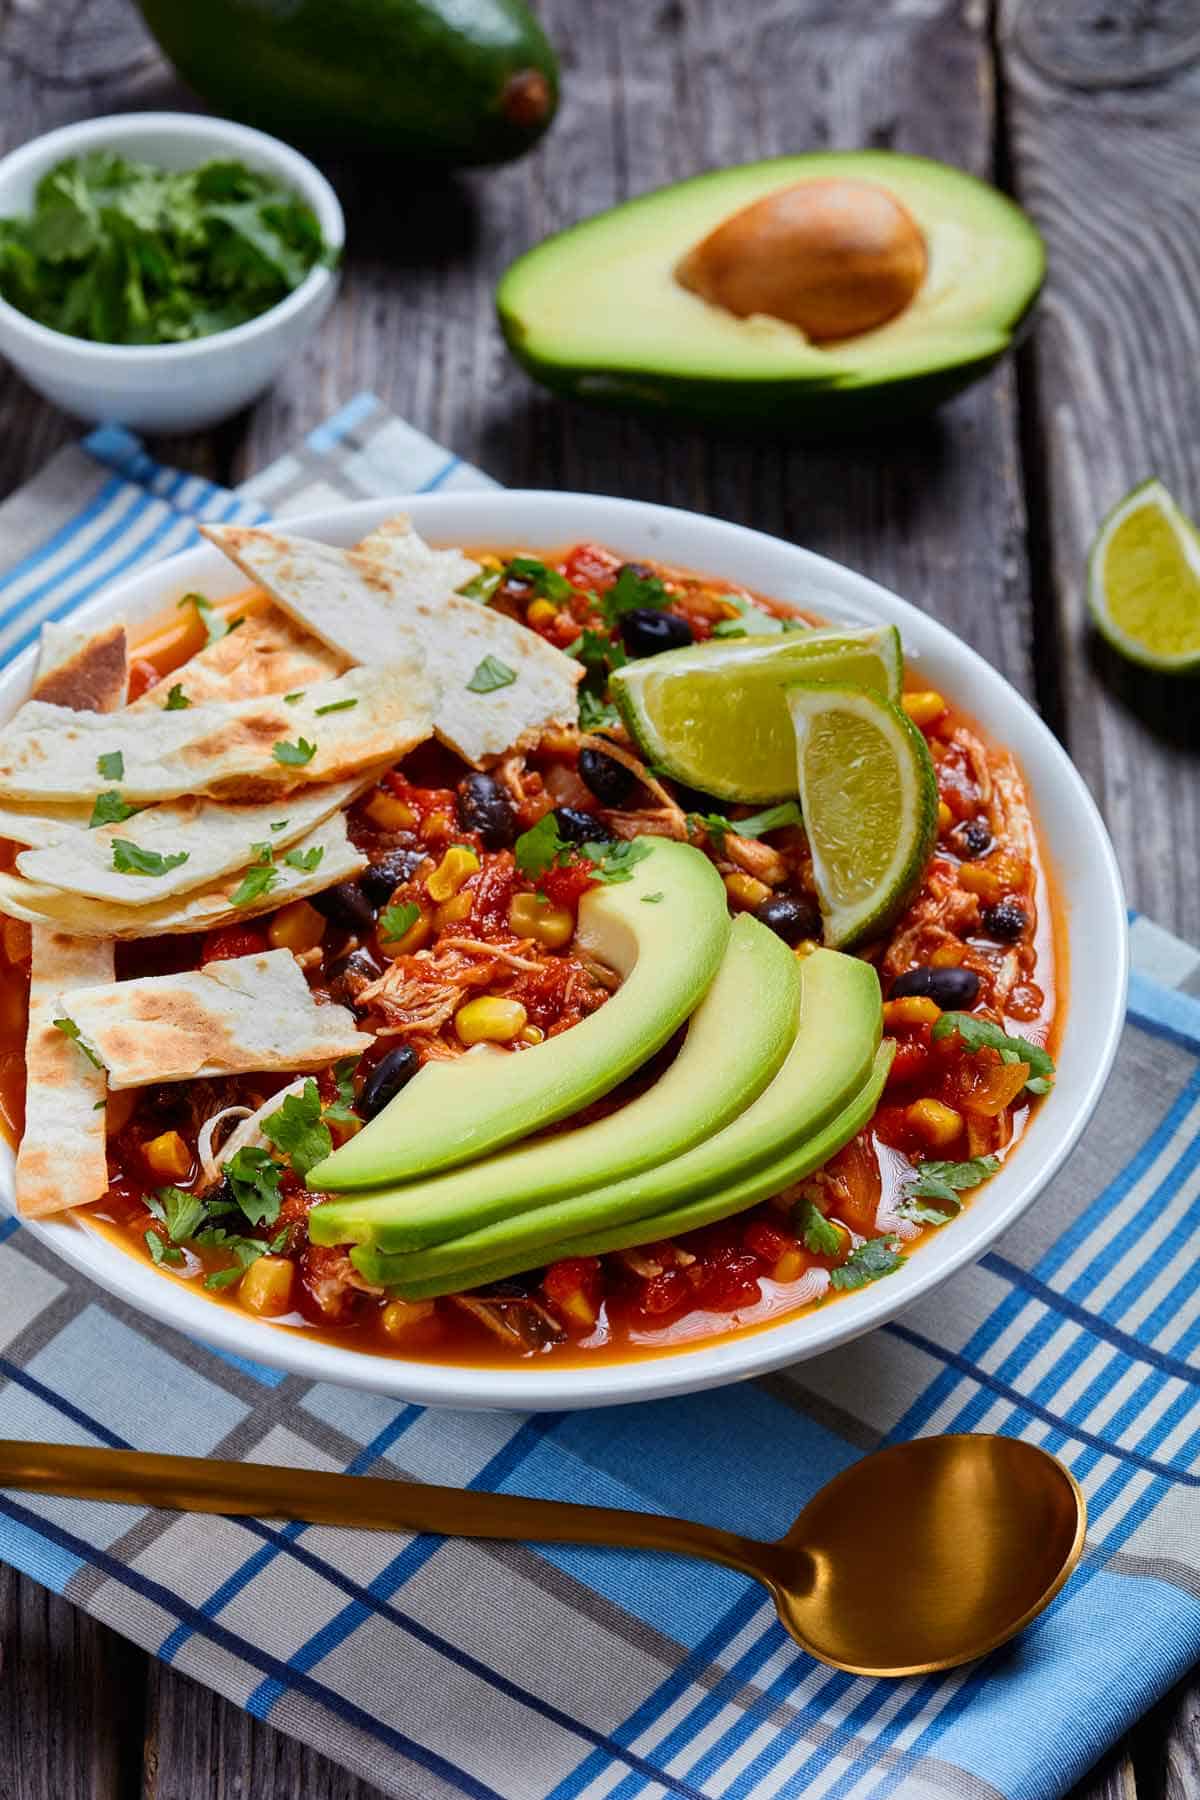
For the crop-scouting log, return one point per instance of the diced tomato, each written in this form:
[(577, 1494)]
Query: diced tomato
[(912, 1060), (573, 1288), (230, 941), (425, 801), (663, 1293), (893, 1127), (143, 675), (567, 886), (730, 1280), (767, 1241), (589, 566)]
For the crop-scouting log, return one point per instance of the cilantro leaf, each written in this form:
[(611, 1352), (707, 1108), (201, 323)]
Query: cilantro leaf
[(489, 675), (177, 700), (600, 655), (160, 1252), (254, 1177), (182, 1213), (111, 765), (258, 880), (652, 899), (216, 625), (481, 586), (294, 755), (981, 1034), (130, 859), (70, 1029), (341, 1110), (715, 824), (729, 628), (291, 699), (772, 819), (631, 592), (305, 860), (944, 1181), (869, 1262), (614, 862), (108, 808), (545, 581), (820, 1237), (539, 848), (334, 706), (279, 825), (594, 713), (299, 1131), (395, 921)]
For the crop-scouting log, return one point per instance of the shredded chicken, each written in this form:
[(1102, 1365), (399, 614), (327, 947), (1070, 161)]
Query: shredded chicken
[(943, 913), (517, 1319), (756, 858), (662, 823), (476, 947)]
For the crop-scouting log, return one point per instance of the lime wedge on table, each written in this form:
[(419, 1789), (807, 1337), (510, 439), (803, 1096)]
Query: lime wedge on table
[(1144, 581), (869, 797), (714, 715)]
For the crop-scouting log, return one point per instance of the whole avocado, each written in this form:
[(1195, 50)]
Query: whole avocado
[(457, 82)]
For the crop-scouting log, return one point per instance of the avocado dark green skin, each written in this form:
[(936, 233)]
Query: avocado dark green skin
[(457, 82)]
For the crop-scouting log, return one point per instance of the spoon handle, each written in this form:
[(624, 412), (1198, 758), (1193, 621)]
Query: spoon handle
[(200, 1484)]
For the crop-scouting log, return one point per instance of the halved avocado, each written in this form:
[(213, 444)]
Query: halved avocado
[(599, 311), (829, 1060), (395, 1272), (667, 953)]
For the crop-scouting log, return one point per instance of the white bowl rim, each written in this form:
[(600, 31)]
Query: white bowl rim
[(94, 134), (545, 519)]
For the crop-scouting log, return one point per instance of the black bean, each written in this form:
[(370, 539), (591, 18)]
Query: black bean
[(384, 876), (578, 827), (347, 907), (645, 631), (953, 989), (610, 781), (485, 807), (350, 974), (792, 917), (972, 839), (390, 1074), (1005, 921)]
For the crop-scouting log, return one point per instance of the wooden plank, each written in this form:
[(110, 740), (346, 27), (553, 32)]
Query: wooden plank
[(1104, 112), (1167, 1746)]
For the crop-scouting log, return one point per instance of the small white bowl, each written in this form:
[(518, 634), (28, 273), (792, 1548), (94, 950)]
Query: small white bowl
[(1089, 888), (167, 387)]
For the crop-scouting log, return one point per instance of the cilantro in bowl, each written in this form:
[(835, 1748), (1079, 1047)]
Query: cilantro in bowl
[(125, 252)]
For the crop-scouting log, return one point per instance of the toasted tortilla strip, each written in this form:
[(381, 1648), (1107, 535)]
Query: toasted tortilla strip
[(62, 1160), (403, 550), (369, 610), (215, 835), (87, 671), (47, 823), (48, 752), (265, 655), (228, 1018), (203, 911)]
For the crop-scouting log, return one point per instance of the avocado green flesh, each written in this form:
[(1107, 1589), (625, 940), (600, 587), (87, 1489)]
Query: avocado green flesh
[(425, 78), (596, 310), (393, 1271), (736, 1040), (829, 1060), (667, 954)]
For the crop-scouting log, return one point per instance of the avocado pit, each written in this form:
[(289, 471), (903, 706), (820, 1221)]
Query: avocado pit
[(832, 258)]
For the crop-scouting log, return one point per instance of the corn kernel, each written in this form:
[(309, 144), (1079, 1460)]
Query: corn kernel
[(389, 812), (266, 1287), (913, 1009), (436, 825), (490, 1020), (529, 916), (532, 1034), (806, 946), (983, 882), (454, 912), (18, 941), (947, 956), (297, 927), (540, 612), (790, 1267), (937, 1125), (167, 1157), (924, 708), (415, 938), (945, 816), (458, 863), (400, 1317), (746, 891)]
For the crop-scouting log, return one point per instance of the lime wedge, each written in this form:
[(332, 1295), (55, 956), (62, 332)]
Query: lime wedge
[(1144, 581), (714, 715), (869, 797)]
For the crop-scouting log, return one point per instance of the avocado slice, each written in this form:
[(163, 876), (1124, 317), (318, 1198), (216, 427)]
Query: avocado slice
[(829, 1060), (598, 311), (736, 1040), (395, 1272), (667, 953)]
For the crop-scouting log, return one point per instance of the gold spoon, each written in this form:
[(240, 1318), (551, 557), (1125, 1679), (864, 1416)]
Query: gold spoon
[(919, 1557)]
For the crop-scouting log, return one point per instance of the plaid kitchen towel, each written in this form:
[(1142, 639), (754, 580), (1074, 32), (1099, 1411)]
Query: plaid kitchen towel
[(439, 1668)]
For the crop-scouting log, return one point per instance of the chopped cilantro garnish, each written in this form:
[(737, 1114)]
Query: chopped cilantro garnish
[(111, 765), (943, 1181), (291, 699), (244, 1250), (182, 1213), (177, 700), (305, 860), (257, 881), (130, 859), (481, 586), (489, 675), (263, 852), (254, 1177), (600, 655), (614, 862), (539, 848), (820, 1237), (395, 921), (715, 824), (299, 1131), (652, 899), (772, 819), (70, 1029), (334, 706), (983, 1034), (108, 808), (341, 1110), (160, 1252), (216, 625), (630, 592), (294, 755), (729, 628), (279, 825), (546, 582), (869, 1262)]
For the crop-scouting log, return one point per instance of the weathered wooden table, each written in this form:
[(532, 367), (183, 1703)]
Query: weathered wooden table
[(1089, 111)]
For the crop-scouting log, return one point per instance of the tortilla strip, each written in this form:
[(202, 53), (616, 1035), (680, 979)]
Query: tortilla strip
[(221, 749), (62, 1159), (405, 552), (228, 1018), (216, 836), (44, 824), (367, 610), (87, 671), (40, 905), (265, 655)]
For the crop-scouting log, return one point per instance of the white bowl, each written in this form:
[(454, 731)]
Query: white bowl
[(167, 387), (1089, 887)]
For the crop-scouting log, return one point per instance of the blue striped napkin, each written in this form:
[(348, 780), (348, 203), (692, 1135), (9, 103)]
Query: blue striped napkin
[(439, 1668)]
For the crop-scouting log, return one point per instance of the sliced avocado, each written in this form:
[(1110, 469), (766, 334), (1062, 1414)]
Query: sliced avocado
[(830, 1058), (736, 1040), (667, 954), (453, 81), (598, 310), (395, 1272)]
